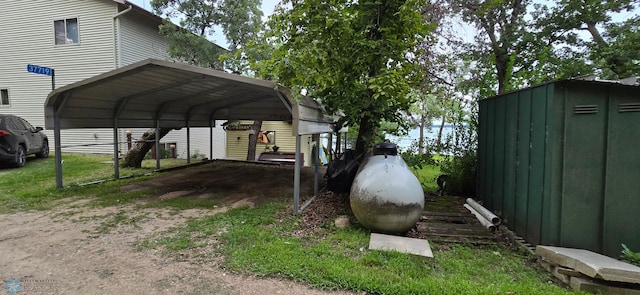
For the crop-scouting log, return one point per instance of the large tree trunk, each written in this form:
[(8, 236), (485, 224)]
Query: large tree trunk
[(367, 130), (137, 152), (253, 139), (440, 130), (423, 118)]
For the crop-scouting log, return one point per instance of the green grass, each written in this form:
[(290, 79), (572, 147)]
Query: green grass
[(427, 177), (254, 241), (33, 187)]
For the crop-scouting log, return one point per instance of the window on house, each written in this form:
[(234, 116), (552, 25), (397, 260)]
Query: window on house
[(4, 97), (66, 31)]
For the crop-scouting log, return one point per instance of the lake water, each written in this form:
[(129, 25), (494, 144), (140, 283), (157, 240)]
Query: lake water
[(404, 142)]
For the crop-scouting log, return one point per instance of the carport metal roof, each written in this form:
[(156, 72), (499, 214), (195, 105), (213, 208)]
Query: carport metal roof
[(156, 93), (140, 94)]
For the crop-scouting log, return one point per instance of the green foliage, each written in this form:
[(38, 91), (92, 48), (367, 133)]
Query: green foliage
[(460, 162), (497, 48), (198, 155), (255, 242), (356, 57), (461, 172), (187, 47), (630, 256), (610, 48), (427, 175), (240, 21)]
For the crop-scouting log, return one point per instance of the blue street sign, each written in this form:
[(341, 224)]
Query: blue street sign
[(39, 70)]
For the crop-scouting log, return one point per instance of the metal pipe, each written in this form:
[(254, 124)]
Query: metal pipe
[(486, 223), (188, 142), (117, 36), (316, 170), (211, 139), (296, 177), (116, 153), (495, 220), (157, 144)]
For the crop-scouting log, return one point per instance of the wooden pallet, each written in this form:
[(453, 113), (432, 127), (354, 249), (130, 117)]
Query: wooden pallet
[(454, 227)]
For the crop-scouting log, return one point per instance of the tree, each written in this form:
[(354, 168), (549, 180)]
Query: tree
[(612, 48), (358, 57), (501, 25), (240, 21), (138, 151)]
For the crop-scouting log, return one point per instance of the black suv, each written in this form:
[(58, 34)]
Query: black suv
[(19, 139)]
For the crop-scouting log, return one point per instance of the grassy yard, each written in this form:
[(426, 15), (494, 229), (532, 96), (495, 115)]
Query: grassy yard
[(34, 186), (262, 240), (254, 241)]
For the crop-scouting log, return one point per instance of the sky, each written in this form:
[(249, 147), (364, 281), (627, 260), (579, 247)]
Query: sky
[(218, 38)]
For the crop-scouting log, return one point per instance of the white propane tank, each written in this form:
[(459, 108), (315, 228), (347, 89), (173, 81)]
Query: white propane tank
[(385, 195)]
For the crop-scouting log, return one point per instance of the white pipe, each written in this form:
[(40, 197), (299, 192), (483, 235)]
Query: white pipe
[(481, 218), (484, 211), (117, 36)]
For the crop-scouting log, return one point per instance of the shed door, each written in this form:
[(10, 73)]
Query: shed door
[(622, 192), (583, 169)]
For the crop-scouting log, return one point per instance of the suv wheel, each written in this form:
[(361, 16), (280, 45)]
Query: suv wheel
[(21, 157), (44, 152)]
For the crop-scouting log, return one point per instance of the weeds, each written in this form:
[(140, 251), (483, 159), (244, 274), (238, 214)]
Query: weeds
[(630, 256)]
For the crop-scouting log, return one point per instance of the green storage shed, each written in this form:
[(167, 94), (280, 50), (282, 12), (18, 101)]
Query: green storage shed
[(560, 163)]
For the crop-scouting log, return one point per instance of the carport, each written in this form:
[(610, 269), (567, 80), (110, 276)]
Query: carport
[(155, 93)]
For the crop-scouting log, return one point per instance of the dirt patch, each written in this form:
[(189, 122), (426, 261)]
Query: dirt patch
[(229, 182), (79, 250), (76, 249)]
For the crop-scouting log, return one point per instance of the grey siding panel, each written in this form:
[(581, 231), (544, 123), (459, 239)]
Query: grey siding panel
[(31, 41), (140, 40), (199, 140)]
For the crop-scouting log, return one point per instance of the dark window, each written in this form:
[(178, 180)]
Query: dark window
[(11, 125), (27, 125), (4, 97), (66, 31)]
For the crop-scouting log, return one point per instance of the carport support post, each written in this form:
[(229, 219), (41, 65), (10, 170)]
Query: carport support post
[(296, 178), (58, 149), (116, 166), (157, 147), (316, 156), (210, 140), (188, 143)]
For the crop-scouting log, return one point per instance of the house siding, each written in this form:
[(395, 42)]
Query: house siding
[(31, 41), (238, 141), (139, 40)]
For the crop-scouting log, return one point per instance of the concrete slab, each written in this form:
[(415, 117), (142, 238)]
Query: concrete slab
[(400, 244), (591, 264)]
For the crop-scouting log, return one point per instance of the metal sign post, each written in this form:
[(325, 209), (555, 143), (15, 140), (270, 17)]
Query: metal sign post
[(51, 72)]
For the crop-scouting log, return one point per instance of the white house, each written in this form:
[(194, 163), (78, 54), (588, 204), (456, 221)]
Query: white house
[(80, 39)]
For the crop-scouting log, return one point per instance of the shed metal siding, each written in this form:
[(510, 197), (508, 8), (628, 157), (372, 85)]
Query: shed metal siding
[(584, 159), (510, 149), (622, 197), (522, 163), (576, 163), (499, 157)]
